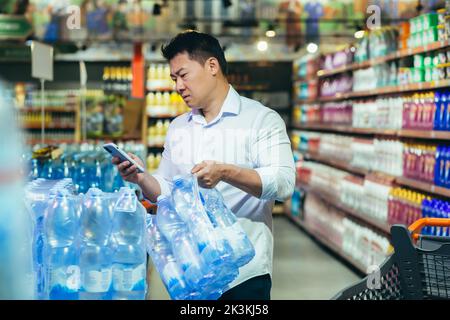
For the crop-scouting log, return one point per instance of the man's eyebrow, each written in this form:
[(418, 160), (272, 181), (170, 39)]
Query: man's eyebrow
[(177, 73)]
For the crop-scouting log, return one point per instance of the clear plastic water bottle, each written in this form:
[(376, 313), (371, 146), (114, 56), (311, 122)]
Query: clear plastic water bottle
[(184, 249), (189, 208), (37, 201), (81, 174), (95, 251), (129, 257), (228, 270), (243, 249), (61, 252), (159, 249)]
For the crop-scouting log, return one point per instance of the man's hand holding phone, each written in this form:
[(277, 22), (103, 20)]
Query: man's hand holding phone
[(129, 171)]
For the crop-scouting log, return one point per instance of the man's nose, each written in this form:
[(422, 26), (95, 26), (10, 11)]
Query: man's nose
[(180, 86)]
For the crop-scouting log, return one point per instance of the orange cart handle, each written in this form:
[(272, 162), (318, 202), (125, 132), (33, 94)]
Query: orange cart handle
[(417, 226)]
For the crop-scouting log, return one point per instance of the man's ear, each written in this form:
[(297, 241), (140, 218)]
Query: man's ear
[(213, 66)]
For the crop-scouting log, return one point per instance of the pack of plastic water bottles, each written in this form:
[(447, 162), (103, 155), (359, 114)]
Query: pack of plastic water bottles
[(87, 246), (195, 242)]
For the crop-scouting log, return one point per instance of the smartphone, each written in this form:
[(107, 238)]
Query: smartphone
[(115, 151)]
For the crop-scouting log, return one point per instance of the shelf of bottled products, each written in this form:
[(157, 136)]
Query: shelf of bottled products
[(49, 109), (327, 243), (438, 45), (339, 78), (379, 225), (48, 126), (418, 134), (421, 86), (406, 182), (50, 141)]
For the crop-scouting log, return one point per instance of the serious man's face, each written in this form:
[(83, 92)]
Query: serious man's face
[(193, 81)]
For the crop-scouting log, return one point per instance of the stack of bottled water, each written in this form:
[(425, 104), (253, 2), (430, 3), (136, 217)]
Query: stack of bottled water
[(37, 195), (89, 166), (87, 246), (195, 242)]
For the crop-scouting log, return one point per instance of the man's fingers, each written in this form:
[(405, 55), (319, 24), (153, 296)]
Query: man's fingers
[(130, 170), (197, 168), (200, 173), (115, 160), (123, 166)]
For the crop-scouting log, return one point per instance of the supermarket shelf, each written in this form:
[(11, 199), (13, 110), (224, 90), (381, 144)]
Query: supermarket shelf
[(38, 126), (393, 56), (379, 225), (327, 243), (422, 86), (156, 146), (406, 182), (47, 141), (439, 135), (159, 89), (118, 138), (306, 101), (339, 164), (419, 134), (49, 109), (351, 67), (163, 116), (345, 129), (424, 186)]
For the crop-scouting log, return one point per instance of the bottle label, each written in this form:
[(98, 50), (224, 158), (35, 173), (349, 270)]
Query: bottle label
[(97, 281), (126, 279), (67, 277)]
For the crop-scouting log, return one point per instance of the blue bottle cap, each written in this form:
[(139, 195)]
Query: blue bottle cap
[(437, 96), (94, 192)]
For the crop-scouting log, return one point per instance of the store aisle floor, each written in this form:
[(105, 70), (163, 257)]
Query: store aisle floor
[(302, 270)]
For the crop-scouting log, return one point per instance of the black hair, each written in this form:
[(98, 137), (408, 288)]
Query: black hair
[(199, 46)]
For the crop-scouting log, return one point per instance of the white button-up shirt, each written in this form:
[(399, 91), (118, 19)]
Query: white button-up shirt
[(246, 134)]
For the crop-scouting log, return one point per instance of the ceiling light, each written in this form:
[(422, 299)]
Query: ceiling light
[(270, 33), (312, 47), (262, 45)]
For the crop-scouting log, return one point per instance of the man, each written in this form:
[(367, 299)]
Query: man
[(229, 142)]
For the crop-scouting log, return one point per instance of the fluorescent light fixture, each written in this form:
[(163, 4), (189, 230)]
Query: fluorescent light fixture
[(271, 33), (312, 47), (262, 45)]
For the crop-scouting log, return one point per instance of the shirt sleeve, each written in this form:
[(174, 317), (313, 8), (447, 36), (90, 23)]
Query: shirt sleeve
[(272, 155)]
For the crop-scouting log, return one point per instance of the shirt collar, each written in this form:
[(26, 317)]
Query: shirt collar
[(231, 106)]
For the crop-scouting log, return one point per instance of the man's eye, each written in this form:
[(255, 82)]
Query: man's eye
[(183, 75)]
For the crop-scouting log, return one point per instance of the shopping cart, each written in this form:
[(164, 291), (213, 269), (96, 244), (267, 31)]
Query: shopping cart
[(418, 269)]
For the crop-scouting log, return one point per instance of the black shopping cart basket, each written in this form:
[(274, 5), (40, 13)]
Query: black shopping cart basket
[(418, 269)]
